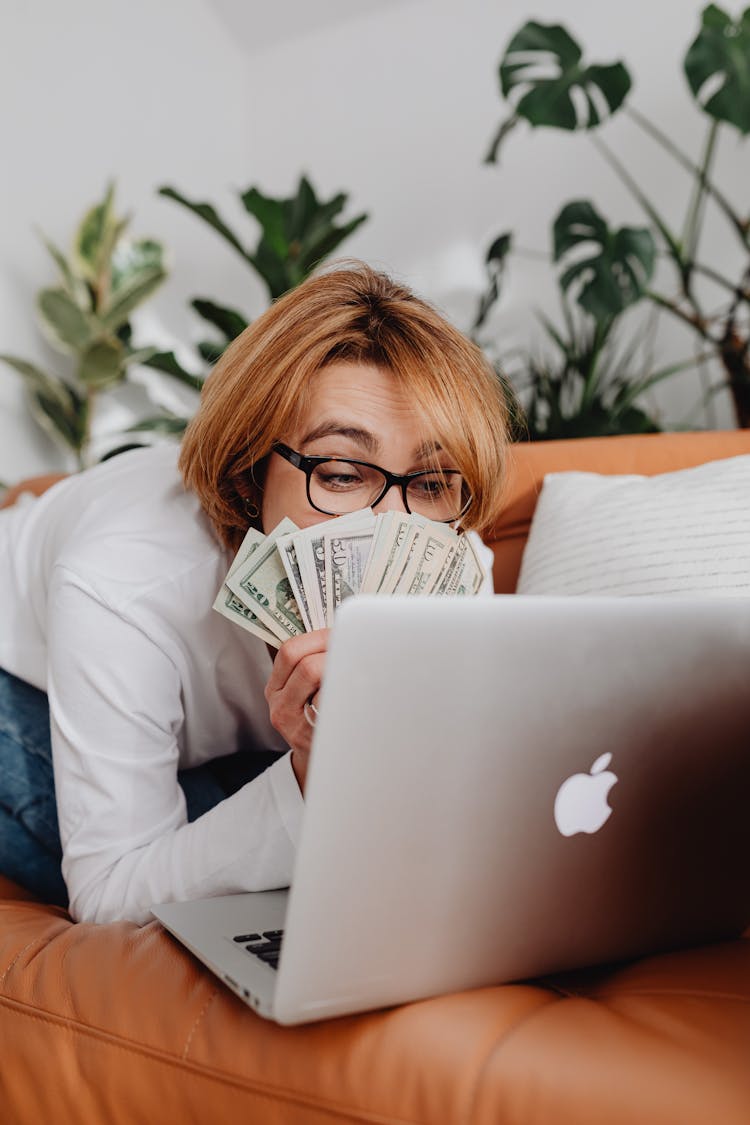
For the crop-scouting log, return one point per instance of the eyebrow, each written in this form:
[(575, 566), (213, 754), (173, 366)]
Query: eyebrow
[(342, 429), (362, 437)]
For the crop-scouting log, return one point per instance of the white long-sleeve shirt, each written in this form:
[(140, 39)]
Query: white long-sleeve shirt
[(106, 588)]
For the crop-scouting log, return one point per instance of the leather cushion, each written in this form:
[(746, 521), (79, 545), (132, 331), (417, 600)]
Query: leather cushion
[(119, 1024)]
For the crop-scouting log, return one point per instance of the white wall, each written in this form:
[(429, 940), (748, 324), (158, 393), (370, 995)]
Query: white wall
[(395, 106)]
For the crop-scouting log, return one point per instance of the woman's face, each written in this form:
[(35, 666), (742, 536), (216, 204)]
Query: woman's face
[(354, 410)]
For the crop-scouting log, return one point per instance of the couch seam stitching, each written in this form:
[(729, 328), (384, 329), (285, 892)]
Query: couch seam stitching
[(198, 1019), (201, 1070), (34, 941)]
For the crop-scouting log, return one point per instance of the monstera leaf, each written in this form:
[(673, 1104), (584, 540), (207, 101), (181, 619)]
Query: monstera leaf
[(543, 75), (613, 276), (717, 67), (495, 260)]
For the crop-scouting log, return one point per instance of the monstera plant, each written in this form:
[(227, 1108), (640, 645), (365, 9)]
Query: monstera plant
[(103, 279), (546, 83)]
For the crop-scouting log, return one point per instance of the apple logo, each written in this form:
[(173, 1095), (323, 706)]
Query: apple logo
[(581, 801)]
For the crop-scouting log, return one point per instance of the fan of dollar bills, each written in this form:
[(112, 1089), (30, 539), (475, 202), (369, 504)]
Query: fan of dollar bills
[(292, 581)]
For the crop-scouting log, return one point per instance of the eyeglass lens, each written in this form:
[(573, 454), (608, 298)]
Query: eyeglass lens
[(339, 487)]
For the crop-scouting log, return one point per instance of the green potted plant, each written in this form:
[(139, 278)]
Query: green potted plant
[(296, 235), (547, 84), (86, 317)]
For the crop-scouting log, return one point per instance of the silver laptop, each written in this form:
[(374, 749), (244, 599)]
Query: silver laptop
[(502, 788)]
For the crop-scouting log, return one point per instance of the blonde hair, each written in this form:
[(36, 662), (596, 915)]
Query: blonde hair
[(258, 389)]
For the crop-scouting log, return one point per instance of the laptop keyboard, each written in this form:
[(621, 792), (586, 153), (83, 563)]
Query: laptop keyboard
[(266, 946)]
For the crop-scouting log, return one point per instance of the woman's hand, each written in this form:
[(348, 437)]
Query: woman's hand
[(295, 679)]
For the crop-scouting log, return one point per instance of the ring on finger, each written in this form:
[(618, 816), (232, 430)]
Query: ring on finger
[(310, 707)]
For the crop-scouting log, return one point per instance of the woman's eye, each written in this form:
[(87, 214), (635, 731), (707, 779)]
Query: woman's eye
[(338, 480), (430, 486)]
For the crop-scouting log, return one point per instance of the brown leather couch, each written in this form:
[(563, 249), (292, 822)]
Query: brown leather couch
[(101, 1025)]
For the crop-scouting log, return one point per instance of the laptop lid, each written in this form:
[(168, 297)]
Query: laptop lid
[(457, 830)]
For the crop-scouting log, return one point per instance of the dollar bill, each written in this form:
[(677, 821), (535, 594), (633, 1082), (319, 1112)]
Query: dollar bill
[(309, 545), (229, 605), (463, 573), (472, 575), (382, 534), (432, 549), (263, 585), (294, 580), (290, 562), (387, 550), (346, 554), (403, 555)]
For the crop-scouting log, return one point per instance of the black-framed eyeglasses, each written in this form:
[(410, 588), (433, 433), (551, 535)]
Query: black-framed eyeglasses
[(339, 485)]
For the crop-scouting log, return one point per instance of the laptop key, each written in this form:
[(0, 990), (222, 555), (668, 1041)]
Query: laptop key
[(268, 955), (246, 937), (267, 946), (273, 933)]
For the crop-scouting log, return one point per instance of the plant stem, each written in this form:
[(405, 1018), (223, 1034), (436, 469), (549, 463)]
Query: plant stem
[(695, 321), (708, 395), (694, 217), (674, 247), (712, 274), (740, 225)]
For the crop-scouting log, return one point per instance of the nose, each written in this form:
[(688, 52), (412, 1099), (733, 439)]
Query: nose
[(393, 501)]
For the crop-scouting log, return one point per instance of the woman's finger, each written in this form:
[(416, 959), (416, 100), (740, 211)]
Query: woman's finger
[(291, 653), (287, 706)]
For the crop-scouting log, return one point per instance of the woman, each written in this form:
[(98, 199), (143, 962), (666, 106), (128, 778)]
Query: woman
[(153, 713)]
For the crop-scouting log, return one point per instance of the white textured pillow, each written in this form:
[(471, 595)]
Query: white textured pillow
[(686, 532)]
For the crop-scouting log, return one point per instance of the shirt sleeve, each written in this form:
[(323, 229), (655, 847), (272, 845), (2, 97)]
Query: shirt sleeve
[(116, 716)]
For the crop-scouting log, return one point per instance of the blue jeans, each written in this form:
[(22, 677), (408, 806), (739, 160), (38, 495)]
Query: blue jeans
[(30, 851)]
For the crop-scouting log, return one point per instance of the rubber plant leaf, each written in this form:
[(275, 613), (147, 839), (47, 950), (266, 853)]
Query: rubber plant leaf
[(717, 67), (103, 364), (134, 257), (74, 285), (131, 293), (66, 325), (57, 407), (96, 237)]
